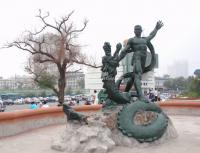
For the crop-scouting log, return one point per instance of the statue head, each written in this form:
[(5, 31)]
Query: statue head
[(107, 48), (138, 30)]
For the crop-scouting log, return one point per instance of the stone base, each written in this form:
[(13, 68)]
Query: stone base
[(101, 136)]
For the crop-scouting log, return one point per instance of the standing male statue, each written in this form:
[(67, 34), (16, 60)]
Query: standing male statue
[(138, 45)]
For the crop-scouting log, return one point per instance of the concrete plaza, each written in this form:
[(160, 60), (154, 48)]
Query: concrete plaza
[(40, 140)]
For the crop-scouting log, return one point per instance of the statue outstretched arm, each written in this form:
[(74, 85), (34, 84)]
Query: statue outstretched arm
[(124, 51), (159, 24)]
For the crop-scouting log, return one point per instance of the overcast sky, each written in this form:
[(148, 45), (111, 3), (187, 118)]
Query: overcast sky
[(109, 20)]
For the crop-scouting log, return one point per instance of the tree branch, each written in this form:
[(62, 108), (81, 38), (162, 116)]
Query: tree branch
[(87, 64), (45, 23), (69, 65), (44, 61), (18, 45), (65, 19), (32, 49), (80, 30)]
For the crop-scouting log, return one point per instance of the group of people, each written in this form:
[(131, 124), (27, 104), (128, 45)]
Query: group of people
[(39, 105), (94, 99), (153, 96)]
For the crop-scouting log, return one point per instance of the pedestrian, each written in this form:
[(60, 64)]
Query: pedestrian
[(45, 105), (151, 96), (33, 105), (40, 104), (95, 97), (156, 95), (77, 102)]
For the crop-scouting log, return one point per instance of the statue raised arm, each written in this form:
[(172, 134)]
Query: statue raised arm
[(159, 24)]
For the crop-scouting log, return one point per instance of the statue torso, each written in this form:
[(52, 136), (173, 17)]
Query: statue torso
[(138, 44)]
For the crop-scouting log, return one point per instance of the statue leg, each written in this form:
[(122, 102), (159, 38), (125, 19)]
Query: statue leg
[(138, 88), (137, 80)]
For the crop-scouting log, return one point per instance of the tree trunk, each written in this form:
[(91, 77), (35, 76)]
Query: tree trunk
[(61, 86)]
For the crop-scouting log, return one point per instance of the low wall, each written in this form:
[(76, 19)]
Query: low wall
[(180, 107), (185, 98), (12, 123)]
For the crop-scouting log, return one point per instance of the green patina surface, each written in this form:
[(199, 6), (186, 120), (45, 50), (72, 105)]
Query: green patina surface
[(153, 128), (144, 132)]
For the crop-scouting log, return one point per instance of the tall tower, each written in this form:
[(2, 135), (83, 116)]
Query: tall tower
[(178, 69)]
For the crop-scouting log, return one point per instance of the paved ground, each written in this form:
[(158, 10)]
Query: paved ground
[(39, 140), (35, 141)]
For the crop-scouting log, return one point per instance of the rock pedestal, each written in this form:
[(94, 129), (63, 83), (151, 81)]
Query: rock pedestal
[(100, 135)]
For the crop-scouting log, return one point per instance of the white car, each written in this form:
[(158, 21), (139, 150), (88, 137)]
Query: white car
[(163, 97), (19, 101), (2, 106)]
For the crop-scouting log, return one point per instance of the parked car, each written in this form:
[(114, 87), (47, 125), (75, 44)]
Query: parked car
[(2, 106), (8, 102), (35, 100), (19, 101), (50, 100), (27, 100), (164, 97)]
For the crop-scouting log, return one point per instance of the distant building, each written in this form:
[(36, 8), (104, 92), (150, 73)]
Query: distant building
[(7, 84), (75, 80), (17, 82), (159, 83), (93, 78), (178, 69)]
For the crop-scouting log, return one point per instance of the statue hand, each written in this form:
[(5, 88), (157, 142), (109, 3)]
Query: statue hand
[(159, 24), (118, 46)]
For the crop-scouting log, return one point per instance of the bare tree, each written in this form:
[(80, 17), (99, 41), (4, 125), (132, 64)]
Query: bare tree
[(64, 55), (41, 75)]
